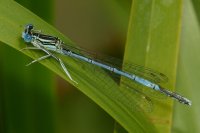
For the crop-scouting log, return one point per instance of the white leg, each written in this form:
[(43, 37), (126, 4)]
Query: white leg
[(49, 54), (39, 59), (30, 48), (61, 63), (66, 71)]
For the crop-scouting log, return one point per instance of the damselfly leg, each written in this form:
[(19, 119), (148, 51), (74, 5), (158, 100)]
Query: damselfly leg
[(49, 54), (39, 59)]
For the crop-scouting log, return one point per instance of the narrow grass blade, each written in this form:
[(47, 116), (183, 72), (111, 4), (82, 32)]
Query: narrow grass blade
[(187, 120), (153, 41)]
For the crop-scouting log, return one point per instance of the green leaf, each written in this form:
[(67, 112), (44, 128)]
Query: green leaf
[(27, 102), (153, 41), (185, 119), (99, 86)]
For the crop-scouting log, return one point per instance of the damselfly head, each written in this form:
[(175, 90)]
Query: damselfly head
[(26, 34), (29, 27)]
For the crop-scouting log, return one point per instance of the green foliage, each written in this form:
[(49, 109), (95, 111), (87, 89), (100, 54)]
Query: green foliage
[(27, 100), (152, 40), (111, 99), (186, 120)]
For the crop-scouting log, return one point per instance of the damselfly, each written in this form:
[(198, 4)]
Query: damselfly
[(49, 43)]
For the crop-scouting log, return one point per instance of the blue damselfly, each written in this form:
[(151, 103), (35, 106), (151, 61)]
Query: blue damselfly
[(50, 44)]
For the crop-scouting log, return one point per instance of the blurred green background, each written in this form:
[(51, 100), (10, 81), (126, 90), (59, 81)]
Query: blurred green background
[(34, 100)]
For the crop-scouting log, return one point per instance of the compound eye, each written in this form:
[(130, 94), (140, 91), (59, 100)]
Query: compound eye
[(29, 27)]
